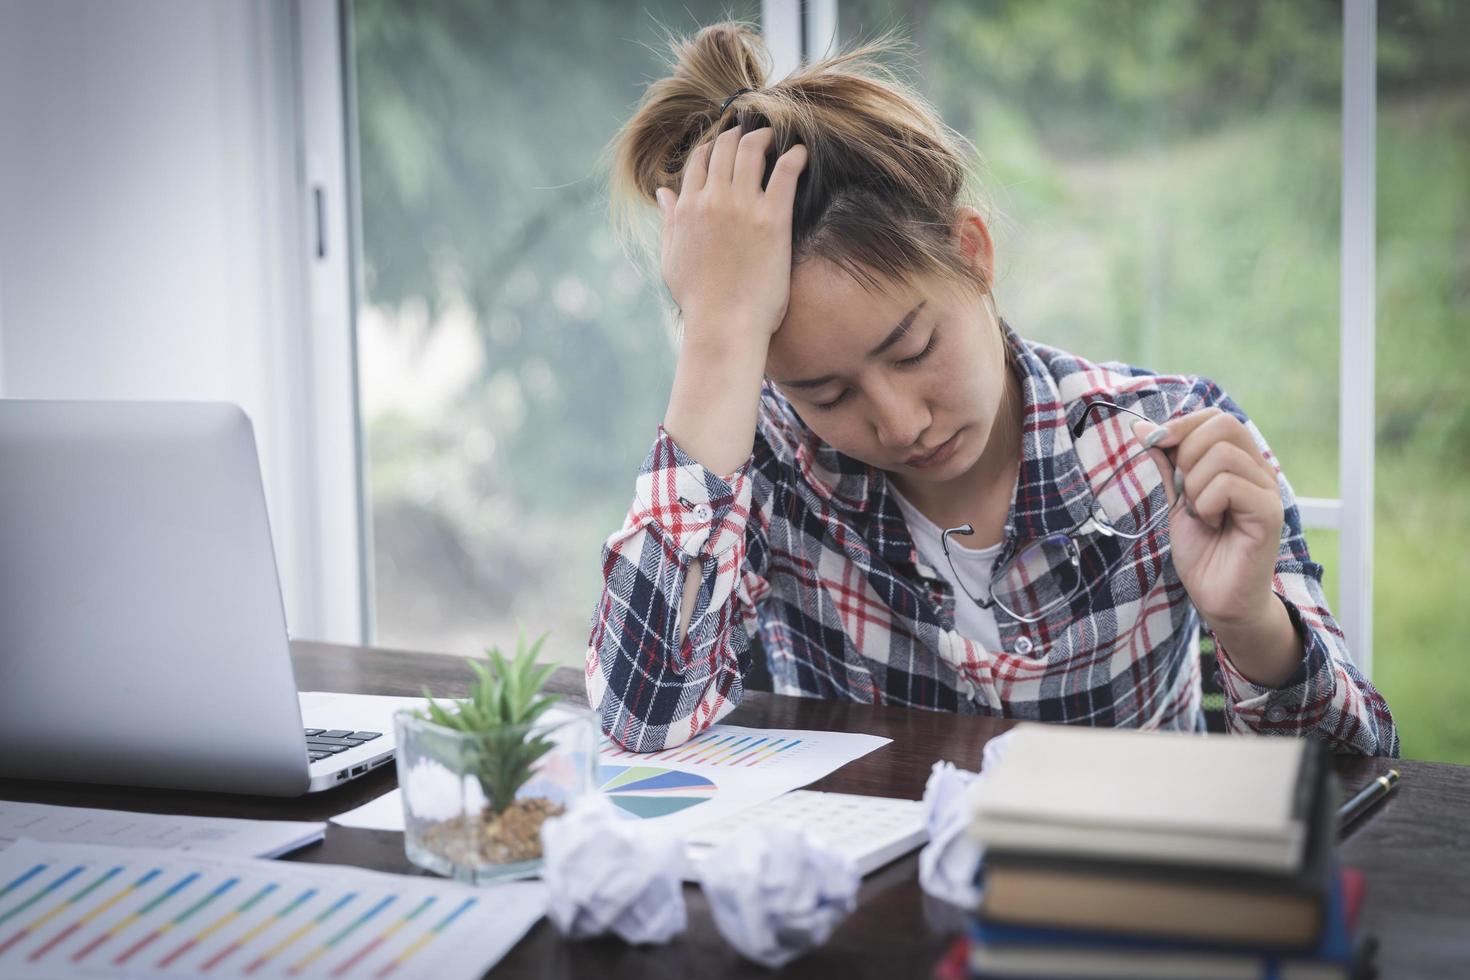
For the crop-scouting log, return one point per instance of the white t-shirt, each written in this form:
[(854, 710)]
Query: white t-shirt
[(974, 565)]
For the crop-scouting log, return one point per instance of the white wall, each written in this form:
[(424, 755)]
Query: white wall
[(153, 239)]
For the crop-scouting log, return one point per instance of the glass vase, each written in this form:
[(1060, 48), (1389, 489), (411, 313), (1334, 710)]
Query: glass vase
[(474, 802)]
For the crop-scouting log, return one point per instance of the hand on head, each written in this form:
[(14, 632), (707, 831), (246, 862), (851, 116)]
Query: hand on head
[(726, 241)]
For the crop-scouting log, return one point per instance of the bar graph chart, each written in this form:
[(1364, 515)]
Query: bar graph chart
[(715, 747), (150, 913)]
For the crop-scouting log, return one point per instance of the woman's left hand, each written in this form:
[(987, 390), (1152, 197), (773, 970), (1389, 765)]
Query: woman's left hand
[(1227, 533)]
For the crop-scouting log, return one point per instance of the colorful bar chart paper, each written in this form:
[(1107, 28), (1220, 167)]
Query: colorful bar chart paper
[(96, 911), (715, 747)]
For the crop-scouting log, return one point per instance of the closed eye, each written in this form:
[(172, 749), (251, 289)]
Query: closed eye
[(928, 348), (904, 362), (834, 402)]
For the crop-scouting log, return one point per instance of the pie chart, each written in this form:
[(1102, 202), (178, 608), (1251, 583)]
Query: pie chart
[(651, 791)]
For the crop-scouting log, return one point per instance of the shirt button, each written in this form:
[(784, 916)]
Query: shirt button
[(1023, 645), (1276, 714), (702, 512)]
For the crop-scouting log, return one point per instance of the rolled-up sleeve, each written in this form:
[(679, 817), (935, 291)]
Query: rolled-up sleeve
[(650, 689)]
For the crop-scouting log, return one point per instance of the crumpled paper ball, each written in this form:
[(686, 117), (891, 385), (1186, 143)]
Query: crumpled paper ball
[(947, 864), (605, 873), (775, 891)]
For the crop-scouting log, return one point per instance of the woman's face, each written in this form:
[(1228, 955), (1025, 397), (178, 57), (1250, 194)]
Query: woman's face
[(909, 380)]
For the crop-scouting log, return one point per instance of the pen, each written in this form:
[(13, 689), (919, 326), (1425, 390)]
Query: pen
[(1366, 797)]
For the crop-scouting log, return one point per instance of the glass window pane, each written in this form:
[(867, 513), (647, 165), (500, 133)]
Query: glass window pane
[(1166, 180), (1422, 477), (513, 362)]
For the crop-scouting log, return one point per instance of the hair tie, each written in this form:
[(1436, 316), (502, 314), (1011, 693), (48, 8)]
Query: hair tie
[(725, 107)]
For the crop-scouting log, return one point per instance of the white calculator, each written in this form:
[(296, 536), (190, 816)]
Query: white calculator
[(872, 830)]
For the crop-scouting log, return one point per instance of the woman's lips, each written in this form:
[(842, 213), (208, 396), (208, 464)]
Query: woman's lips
[(944, 451)]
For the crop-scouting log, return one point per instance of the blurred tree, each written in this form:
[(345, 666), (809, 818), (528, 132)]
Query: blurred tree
[(480, 126), (1181, 67)]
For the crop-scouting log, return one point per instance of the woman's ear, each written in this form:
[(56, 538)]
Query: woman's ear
[(972, 238)]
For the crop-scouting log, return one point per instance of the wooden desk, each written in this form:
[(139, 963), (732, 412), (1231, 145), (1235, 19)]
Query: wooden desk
[(1415, 849)]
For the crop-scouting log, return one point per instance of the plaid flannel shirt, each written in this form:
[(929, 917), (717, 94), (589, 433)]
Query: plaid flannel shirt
[(808, 548)]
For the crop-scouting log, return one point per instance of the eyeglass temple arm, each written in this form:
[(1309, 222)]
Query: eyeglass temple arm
[(1100, 404)]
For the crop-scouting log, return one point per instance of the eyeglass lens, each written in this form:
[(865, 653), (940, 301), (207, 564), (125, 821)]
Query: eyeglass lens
[(1042, 576)]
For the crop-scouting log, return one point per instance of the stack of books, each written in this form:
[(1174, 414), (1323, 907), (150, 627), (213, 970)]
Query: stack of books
[(1114, 853)]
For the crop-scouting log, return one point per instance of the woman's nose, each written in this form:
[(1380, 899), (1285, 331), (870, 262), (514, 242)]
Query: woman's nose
[(900, 420)]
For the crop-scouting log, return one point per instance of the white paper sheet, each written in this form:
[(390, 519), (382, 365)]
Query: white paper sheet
[(78, 910), (218, 835), (723, 771), (383, 813)]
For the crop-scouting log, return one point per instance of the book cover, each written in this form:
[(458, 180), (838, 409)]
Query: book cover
[(997, 949)]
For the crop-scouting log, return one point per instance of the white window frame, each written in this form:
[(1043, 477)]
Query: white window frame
[(1351, 514), (795, 31), (1357, 327), (339, 535)]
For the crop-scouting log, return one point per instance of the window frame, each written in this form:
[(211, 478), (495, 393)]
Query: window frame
[(338, 532)]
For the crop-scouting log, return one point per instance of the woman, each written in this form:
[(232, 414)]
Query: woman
[(909, 503)]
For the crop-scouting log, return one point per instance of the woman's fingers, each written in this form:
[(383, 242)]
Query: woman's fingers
[(1224, 458), (739, 160), (1175, 431), (781, 188), (1190, 436), (722, 159), (1231, 493), (1214, 463), (1222, 427), (1142, 429), (666, 201), (750, 159), (696, 172)]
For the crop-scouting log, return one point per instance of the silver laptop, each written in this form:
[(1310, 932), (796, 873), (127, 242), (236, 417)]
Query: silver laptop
[(142, 634)]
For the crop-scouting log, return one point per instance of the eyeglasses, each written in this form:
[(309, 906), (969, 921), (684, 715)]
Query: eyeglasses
[(1048, 572)]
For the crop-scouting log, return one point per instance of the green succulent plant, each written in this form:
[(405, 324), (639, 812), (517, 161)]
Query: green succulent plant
[(504, 700)]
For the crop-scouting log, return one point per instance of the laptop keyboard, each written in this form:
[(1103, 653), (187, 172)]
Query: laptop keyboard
[(323, 743)]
